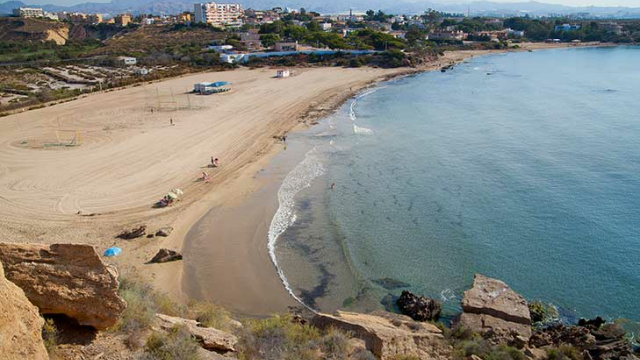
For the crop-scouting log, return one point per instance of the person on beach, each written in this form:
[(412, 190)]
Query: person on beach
[(205, 177), (171, 122), (215, 162)]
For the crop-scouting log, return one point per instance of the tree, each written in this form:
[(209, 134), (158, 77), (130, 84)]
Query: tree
[(268, 40)]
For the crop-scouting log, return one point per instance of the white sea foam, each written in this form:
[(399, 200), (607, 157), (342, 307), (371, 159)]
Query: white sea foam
[(299, 178), (352, 113), (361, 130), (447, 295)]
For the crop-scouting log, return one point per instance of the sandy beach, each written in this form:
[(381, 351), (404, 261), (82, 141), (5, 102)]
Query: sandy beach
[(129, 156)]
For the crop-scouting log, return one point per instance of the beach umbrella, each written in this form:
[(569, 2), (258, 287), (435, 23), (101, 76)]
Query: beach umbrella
[(112, 251)]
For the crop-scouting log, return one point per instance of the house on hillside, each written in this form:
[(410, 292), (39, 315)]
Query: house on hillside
[(127, 60), (286, 46)]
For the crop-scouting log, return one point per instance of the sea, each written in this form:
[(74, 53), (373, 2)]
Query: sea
[(521, 166)]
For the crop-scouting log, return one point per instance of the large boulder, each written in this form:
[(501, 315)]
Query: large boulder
[(419, 308), (209, 338), (20, 324), (389, 335), (490, 307), (68, 279)]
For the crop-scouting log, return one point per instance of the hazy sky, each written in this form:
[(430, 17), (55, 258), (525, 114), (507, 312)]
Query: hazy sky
[(628, 3)]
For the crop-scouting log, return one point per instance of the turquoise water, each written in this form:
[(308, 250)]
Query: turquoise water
[(521, 166)]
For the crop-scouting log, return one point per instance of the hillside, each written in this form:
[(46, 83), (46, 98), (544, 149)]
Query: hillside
[(19, 29)]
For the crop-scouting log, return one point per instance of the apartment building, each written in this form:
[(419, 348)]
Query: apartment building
[(219, 14)]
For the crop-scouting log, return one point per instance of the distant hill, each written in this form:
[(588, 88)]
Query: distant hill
[(16, 29), (340, 6)]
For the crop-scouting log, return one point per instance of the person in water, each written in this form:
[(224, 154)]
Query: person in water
[(332, 185)]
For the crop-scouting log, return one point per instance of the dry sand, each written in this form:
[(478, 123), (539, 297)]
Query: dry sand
[(129, 157)]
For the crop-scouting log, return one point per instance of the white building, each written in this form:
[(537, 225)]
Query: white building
[(126, 60), (219, 14), (26, 12), (325, 26), (220, 48)]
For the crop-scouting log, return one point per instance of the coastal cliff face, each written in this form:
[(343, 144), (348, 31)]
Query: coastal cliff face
[(71, 279), (493, 309), (20, 324), (68, 279)]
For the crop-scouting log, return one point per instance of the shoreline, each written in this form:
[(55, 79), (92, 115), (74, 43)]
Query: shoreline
[(230, 296), (130, 158)]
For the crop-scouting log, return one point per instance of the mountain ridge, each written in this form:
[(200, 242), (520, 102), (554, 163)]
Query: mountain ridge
[(165, 7)]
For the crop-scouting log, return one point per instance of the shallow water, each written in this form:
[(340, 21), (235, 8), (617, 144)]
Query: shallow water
[(522, 166)]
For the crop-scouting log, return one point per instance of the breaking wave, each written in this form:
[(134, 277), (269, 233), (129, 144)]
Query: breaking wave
[(299, 178), (361, 130)]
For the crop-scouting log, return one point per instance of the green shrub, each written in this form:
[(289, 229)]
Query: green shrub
[(278, 338), (542, 312), (50, 336), (504, 352), (564, 352), (335, 344), (209, 315), (176, 345)]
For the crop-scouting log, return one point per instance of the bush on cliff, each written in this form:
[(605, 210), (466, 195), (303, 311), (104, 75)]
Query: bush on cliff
[(279, 337), (176, 345), (467, 343), (209, 315), (564, 352)]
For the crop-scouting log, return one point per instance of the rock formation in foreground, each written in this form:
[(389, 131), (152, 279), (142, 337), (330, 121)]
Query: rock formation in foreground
[(595, 338), (389, 335), (68, 279), (20, 324), (491, 308), (209, 338)]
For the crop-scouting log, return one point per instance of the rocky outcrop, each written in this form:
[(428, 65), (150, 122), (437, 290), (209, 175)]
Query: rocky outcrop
[(419, 308), (133, 233), (209, 338), (68, 279), (165, 255), (491, 308), (20, 324), (601, 341), (165, 231), (389, 335)]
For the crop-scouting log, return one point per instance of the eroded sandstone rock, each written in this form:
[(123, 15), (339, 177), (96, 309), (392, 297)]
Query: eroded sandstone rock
[(20, 324), (490, 307), (209, 338), (68, 279), (389, 335)]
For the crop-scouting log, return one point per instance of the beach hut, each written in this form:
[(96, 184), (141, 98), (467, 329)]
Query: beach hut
[(283, 73), (211, 88)]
